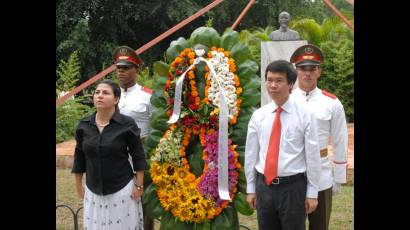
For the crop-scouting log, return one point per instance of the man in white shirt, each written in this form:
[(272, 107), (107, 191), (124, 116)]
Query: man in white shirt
[(282, 161), (135, 99), (331, 123)]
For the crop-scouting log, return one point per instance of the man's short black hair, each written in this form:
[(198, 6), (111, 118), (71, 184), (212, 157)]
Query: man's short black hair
[(282, 66)]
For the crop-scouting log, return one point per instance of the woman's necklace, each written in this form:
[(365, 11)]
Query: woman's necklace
[(99, 124), (102, 125)]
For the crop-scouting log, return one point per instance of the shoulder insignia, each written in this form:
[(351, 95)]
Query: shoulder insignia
[(147, 90), (329, 94)]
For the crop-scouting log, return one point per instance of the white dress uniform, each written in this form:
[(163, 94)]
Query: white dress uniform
[(331, 123), (135, 102)]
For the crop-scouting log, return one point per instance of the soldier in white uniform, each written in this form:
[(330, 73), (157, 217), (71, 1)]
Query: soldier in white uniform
[(135, 99), (331, 124)]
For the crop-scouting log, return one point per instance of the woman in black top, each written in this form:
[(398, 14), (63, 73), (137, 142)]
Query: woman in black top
[(112, 196)]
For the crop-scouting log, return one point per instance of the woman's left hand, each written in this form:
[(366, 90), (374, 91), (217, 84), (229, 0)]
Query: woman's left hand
[(136, 193)]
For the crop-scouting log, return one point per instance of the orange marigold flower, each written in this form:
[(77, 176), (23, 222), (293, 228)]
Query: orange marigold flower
[(238, 102), (226, 53), (239, 90), (191, 61), (191, 55), (195, 93), (233, 120), (221, 50), (184, 161), (185, 142), (182, 153), (191, 177), (232, 67), (187, 49)]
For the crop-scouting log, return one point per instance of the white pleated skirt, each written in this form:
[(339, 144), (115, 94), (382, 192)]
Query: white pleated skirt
[(115, 211)]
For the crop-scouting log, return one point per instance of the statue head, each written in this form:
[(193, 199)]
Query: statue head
[(284, 18)]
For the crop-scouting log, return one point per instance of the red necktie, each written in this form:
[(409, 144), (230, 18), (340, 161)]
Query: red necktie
[(271, 164)]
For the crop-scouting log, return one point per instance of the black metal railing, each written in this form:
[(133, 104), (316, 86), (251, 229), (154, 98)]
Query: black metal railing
[(75, 213)]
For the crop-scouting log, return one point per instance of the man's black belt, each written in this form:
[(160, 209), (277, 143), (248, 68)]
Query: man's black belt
[(286, 179)]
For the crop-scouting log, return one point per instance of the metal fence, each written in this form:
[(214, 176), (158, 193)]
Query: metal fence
[(75, 216)]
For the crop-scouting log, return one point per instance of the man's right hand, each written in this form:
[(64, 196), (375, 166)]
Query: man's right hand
[(310, 205), (251, 199)]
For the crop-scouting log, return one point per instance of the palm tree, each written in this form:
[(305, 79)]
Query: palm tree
[(331, 29)]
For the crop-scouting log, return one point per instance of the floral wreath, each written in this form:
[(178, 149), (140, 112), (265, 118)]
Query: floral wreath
[(190, 198), (184, 155)]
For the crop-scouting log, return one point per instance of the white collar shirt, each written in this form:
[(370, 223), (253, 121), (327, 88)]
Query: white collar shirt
[(135, 102), (298, 151), (331, 124)]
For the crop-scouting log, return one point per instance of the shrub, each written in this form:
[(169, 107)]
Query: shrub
[(67, 117), (69, 113)]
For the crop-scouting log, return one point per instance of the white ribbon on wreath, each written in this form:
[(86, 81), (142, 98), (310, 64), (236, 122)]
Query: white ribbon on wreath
[(223, 181)]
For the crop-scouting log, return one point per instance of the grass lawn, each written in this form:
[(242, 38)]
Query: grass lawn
[(341, 218)]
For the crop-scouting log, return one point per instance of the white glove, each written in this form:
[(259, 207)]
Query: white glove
[(336, 188)]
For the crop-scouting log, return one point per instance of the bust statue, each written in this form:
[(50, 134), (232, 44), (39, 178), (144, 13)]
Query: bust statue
[(284, 33)]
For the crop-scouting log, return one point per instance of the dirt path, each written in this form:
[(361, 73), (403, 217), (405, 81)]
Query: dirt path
[(65, 150)]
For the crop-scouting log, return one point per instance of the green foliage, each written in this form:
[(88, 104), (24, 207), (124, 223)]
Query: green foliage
[(206, 36), (242, 205), (144, 78), (336, 40), (253, 38), (227, 220), (71, 111), (331, 29), (338, 73), (67, 116), (229, 39), (97, 27), (210, 22), (194, 156), (151, 202), (69, 73)]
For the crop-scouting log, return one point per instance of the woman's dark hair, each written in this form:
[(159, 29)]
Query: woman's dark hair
[(282, 66), (115, 89)]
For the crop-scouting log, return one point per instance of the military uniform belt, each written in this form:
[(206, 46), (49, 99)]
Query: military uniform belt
[(323, 152)]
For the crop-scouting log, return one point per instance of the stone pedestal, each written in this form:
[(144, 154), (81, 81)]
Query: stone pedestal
[(272, 51)]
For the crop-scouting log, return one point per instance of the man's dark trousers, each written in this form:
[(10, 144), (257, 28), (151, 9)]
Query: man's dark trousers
[(319, 219), (281, 206)]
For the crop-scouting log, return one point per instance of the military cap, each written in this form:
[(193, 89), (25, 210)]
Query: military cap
[(307, 55), (125, 55)]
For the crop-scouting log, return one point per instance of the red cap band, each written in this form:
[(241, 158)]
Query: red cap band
[(130, 59), (304, 57)]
